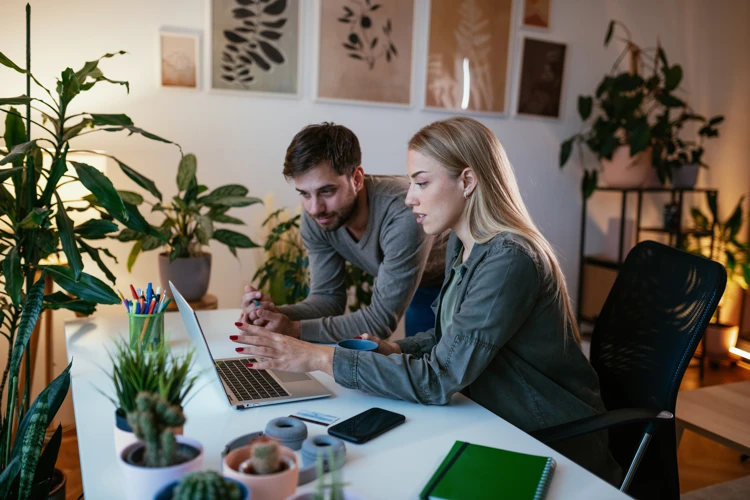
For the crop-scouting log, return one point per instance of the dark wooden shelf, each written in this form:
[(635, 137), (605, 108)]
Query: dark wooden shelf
[(695, 232), (601, 260), (657, 190)]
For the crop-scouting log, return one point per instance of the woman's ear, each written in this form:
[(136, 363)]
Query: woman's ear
[(469, 181)]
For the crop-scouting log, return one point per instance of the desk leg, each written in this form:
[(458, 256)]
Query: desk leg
[(678, 430)]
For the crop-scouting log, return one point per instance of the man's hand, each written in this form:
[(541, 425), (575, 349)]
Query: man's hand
[(384, 347), (276, 322), (252, 301)]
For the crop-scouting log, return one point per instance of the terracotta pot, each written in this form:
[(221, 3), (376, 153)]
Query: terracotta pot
[(190, 275), (624, 171), (276, 486), (59, 481), (145, 482), (719, 338)]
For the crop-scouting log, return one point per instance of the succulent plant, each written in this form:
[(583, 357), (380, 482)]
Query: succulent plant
[(152, 421), (206, 485), (265, 456)]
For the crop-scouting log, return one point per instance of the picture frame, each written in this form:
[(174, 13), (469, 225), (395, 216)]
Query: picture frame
[(536, 14), (284, 22), (541, 78), (179, 61), (340, 77), (451, 25)]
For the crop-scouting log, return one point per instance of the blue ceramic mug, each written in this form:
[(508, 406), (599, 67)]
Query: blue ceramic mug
[(358, 345)]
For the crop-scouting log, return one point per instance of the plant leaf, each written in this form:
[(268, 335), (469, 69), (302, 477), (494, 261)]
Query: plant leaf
[(233, 238), (46, 466), (130, 197), (20, 101), (186, 171), (235, 201), (101, 187), (588, 186), (19, 151), (585, 103), (87, 287), (59, 167), (275, 8), (226, 219), (139, 179), (711, 200), (610, 30), (13, 275), (9, 475), (15, 130), (67, 238), (29, 316), (672, 77), (271, 52), (94, 254), (102, 120), (60, 300), (134, 252), (565, 149)]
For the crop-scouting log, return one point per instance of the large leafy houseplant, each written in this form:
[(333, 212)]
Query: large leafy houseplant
[(633, 108), (190, 217), (34, 224)]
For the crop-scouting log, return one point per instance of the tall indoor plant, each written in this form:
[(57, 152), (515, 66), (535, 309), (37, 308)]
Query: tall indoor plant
[(188, 225), (34, 225), (630, 122)]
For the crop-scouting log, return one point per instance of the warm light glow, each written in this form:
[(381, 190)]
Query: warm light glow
[(740, 352), (467, 84)]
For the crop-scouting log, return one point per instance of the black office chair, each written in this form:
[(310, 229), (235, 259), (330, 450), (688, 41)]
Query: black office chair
[(643, 340)]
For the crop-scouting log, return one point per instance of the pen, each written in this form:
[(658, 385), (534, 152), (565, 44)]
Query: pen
[(135, 295)]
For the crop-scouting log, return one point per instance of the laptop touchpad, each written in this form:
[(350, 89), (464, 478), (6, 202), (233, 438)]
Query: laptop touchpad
[(291, 376)]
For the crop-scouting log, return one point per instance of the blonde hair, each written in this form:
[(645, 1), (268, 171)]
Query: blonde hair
[(496, 205)]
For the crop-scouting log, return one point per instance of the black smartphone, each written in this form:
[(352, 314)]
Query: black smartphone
[(367, 425)]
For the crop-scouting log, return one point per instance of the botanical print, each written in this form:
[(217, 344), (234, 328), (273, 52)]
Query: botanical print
[(542, 71), (365, 50), (255, 45), (179, 65), (536, 13), (468, 54)]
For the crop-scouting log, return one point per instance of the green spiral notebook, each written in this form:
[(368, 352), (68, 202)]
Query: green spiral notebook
[(475, 472)]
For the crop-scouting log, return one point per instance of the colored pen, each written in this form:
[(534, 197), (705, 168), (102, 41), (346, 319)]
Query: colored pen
[(138, 308), (149, 293), (135, 295), (166, 304), (151, 306)]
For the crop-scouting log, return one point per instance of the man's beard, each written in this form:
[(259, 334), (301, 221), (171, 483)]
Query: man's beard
[(338, 218)]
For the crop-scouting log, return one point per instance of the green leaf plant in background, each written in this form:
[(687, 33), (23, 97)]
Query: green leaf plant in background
[(635, 108), (34, 225), (190, 217), (728, 250)]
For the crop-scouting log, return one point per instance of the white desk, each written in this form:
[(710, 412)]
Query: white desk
[(392, 466)]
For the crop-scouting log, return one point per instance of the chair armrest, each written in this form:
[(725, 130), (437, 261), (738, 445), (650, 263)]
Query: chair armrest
[(614, 418)]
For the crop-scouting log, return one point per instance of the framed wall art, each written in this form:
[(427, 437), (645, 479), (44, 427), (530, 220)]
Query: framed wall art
[(365, 51), (536, 14), (468, 55), (179, 58), (541, 78), (255, 46)]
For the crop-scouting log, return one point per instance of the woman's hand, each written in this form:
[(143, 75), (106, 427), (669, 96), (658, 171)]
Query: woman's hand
[(384, 347), (281, 352)]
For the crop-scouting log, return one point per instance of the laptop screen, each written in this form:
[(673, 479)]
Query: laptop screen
[(194, 329)]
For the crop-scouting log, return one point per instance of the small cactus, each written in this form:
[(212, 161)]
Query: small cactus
[(265, 456), (151, 422), (206, 485)]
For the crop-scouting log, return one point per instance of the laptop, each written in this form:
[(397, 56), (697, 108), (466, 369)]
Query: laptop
[(244, 387)]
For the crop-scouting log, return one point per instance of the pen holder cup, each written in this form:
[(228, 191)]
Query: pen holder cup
[(146, 331)]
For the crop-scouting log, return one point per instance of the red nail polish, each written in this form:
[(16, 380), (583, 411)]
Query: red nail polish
[(249, 365), (358, 337), (238, 323), (238, 349), (234, 337)]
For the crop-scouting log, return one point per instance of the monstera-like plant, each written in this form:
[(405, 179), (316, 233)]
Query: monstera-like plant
[(35, 224)]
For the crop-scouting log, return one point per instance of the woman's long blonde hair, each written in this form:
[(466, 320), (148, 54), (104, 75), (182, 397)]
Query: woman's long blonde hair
[(496, 205)]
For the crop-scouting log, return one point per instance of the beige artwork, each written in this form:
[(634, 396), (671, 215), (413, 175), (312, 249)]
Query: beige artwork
[(536, 13), (468, 54), (366, 50), (179, 67)]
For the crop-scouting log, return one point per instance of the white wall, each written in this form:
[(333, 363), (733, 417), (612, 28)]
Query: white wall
[(243, 138)]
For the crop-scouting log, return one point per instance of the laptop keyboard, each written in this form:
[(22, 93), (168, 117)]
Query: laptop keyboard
[(248, 384)]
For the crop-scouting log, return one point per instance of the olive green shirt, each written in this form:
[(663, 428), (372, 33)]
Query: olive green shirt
[(506, 343)]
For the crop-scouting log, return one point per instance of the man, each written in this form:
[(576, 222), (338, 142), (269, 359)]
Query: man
[(361, 219)]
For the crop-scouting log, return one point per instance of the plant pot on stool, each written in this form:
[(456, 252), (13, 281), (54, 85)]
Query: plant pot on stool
[(190, 275)]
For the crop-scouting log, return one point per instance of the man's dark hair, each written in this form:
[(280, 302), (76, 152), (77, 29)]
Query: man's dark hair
[(325, 142)]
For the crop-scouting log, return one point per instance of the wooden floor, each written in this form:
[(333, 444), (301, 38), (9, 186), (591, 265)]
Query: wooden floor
[(702, 462)]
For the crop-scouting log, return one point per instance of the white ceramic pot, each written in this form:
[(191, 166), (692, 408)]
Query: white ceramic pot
[(124, 436), (719, 338), (685, 176), (145, 482), (624, 171), (277, 486)]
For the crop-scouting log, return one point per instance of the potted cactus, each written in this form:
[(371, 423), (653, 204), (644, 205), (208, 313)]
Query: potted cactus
[(135, 371), (269, 470), (159, 457), (331, 489), (204, 484)]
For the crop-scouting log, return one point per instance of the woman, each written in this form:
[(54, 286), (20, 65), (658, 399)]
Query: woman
[(504, 325)]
